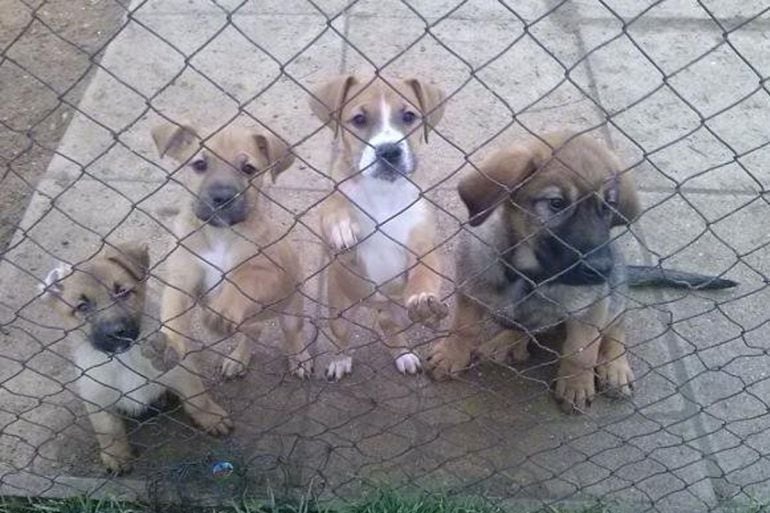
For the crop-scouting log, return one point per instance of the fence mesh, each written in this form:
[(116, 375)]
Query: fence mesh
[(677, 89)]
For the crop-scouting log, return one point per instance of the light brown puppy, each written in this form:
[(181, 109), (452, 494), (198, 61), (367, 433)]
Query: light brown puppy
[(539, 254), (124, 361), (376, 221), (229, 256)]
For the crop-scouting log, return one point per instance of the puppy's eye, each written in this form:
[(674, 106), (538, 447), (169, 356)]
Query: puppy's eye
[(557, 204), (199, 165), (408, 117), (119, 291), (84, 306), (359, 120), (248, 169)]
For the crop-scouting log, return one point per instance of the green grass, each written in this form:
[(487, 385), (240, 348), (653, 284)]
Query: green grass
[(381, 503)]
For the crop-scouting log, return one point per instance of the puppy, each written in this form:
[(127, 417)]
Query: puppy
[(539, 253), (376, 221), (229, 256), (123, 359)]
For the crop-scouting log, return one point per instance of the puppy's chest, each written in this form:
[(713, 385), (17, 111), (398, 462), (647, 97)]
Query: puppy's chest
[(122, 382), (387, 215), (217, 261)]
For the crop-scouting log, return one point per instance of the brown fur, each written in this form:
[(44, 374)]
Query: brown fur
[(261, 271)]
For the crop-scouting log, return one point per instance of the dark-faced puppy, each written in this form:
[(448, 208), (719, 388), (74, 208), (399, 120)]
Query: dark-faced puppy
[(539, 254), (125, 368)]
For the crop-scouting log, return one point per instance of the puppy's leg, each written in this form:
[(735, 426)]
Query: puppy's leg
[(178, 298), (452, 354), (507, 343), (423, 281), (197, 402), (300, 361), (236, 363), (575, 378), (392, 320), (114, 448), (614, 372), (340, 305)]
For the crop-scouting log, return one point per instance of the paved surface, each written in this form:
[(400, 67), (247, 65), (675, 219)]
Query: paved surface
[(696, 434)]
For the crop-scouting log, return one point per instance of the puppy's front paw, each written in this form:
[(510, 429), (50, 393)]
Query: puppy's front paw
[(301, 365), (447, 358), (212, 418), (616, 378), (574, 389), (116, 460), (426, 308), (237, 362), (408, 363), (339, 368), (341, 233)]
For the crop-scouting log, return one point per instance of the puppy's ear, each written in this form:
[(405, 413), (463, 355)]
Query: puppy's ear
[(628, 207), (134, 258), (276, 153), (51, 287), (431, 103), (329, 99), (174, 140), (494, 180)]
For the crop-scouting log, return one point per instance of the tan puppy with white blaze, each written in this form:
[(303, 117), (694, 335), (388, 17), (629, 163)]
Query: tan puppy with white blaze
[(376, 220), (229, 257)]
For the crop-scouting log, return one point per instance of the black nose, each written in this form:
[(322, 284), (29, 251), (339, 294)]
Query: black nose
[(115, 334), (220, 194), (389, 152)]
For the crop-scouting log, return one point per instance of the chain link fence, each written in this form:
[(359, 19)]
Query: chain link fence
[(677, 89)]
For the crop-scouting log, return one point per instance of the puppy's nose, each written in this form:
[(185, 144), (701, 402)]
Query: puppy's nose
[(389, 152), (120, 330), (221, 194)]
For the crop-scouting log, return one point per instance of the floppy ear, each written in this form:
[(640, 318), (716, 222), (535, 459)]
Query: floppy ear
[(174, 140), (431, 100), (134, 258), (51, 286), (328, 100), (628, 207), (494, 180), (276, 152)]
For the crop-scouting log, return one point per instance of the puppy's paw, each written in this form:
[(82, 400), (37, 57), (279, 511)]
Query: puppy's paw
[(447, 358), (341, 232), (574, 389), (236, 363), (408, 363), (339, 367), (212, 418), (426, 308), (616, 378), (301, 365), (117, 461)]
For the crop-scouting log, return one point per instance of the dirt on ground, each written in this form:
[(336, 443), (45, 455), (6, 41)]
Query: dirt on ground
[(48, 53)]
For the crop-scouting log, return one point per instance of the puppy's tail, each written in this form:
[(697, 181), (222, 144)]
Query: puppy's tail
[(650, 276)]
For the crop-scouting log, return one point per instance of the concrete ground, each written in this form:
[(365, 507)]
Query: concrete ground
[(695, 436)]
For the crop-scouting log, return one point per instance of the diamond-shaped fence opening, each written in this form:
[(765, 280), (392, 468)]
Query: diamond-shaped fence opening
[(213, 296)]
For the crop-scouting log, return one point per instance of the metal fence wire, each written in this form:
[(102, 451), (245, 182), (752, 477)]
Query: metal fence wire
[(678, 90)]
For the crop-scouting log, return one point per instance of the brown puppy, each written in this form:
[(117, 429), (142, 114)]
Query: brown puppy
[(539, 253), (229, 257), (377, 221), (123, 359)]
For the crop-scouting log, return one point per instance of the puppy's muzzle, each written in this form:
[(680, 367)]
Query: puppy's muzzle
[(221, 205), (591, 269), (391, 161), (114, 335)]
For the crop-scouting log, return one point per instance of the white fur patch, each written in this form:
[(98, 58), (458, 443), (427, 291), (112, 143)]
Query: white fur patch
[(217, 263), (386, 133), (408, 363)]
